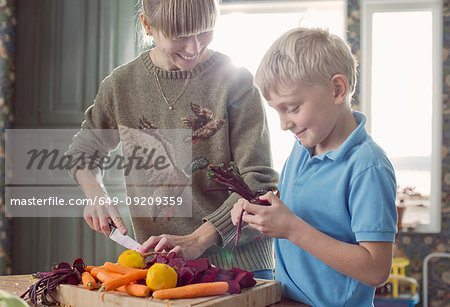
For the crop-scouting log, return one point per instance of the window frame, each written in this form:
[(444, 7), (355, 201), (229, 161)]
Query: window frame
[(368, 8)]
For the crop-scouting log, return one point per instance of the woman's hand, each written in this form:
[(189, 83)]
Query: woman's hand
[(276, 221), (186, 246), (189, 246), (97, 216), (101, 209)]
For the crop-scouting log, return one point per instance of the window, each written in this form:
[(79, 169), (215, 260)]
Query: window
[(246, 30), (401, 94)]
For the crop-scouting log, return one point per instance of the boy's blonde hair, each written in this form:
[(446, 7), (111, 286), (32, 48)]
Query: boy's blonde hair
[(308, 56), (181, 17)]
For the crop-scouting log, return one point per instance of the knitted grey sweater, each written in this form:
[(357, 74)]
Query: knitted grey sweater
[(130, 96)]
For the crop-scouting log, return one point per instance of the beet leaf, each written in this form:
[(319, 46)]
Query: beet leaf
[(228, 175), (41, 292)]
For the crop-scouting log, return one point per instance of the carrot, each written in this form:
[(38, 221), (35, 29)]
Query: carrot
[(89, 268), (104, 276), (114, 267), (88, 281), (193, 290), (96, 270), (113, 284), (135, 290)]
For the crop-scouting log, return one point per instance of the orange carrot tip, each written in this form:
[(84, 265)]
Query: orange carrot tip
[(88, 281)]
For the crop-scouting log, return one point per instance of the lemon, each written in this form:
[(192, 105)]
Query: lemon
[(132, 259), (161, 276)]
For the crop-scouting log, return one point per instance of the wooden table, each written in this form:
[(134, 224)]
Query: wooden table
[(263, 291)]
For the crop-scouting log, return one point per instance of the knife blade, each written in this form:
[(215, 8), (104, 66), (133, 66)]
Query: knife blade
[(124, 240)]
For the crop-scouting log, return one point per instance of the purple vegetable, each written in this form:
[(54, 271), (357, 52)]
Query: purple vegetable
[(222, 277), (177, 262), (170, 256), (208, 276), (200, 264), (161, 259), (188, 275), (244, 278), (234, 287), (41, 292), (227, 175), (79, 265)]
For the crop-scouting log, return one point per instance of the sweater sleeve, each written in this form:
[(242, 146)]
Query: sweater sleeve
[(250, 149), (98, 134)]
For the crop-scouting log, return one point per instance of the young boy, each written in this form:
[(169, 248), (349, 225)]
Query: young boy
[(335, 223)]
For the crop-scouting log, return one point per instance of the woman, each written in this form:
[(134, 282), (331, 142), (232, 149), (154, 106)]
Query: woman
[(181, 84)]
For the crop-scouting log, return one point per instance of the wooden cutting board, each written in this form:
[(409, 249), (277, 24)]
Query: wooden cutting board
[(264, 293)]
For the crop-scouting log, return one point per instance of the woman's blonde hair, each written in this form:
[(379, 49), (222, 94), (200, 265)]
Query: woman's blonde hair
[(306, 55), (180, 17)]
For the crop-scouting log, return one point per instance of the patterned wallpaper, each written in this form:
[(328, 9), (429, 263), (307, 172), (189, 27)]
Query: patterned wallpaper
[(7, 46), (416, 247)]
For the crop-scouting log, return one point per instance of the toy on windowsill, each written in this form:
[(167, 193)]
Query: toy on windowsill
[(399, 287)]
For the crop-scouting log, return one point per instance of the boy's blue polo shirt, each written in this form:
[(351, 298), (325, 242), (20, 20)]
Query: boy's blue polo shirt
[(348, 194)]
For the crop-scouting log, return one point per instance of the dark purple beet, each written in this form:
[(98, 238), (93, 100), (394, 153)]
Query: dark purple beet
[(161, 259), (200, 264), (208, 276), (196, 278), (79, 265), (170, 256), (233, 287), (244, 278), (61, 266), (222, 277), (177, 262), (185, 274)]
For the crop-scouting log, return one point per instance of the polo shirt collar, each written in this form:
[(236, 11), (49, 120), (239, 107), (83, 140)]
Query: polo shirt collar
[(356, 137)]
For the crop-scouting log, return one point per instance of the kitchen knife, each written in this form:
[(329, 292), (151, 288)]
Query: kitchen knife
[(124, 240)]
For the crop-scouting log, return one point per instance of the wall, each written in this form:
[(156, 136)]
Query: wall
[(7, 78), (417, 246)]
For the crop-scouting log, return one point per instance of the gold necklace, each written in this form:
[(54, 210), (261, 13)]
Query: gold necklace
[(167, 99), (158, 84)]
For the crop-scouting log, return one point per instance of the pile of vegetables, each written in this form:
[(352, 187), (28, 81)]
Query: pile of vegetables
[(201, 271), (193, 278), (228, 175)]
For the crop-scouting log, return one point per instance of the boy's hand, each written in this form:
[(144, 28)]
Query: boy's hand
[(275, 221)]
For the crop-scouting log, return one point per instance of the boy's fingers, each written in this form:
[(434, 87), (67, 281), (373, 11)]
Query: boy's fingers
[(269, 196), (252, 208), (249, 219)]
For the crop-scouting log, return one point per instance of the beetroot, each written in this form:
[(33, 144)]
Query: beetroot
[(79, 265), (200, 265), (177, 262), (208, 276), (185, 275), (244, 278), (42, 291), (234, 287), (228, 175)]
